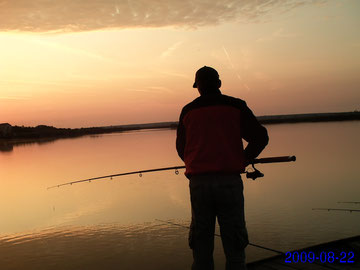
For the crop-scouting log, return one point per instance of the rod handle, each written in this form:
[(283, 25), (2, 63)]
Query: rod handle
[(275, 159)]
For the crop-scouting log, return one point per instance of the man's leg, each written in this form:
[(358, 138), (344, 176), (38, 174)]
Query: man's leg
[(201, 236), (231, 218)]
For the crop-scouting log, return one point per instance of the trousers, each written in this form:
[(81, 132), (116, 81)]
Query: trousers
[(217, 196)]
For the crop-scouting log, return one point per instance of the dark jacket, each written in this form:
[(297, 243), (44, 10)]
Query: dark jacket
[(210, 133)]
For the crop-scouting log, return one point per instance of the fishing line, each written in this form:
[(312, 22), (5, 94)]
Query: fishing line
[(254, 245), (218, 235)]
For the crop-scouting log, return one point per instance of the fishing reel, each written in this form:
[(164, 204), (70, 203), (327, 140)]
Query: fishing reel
[(254, 174)]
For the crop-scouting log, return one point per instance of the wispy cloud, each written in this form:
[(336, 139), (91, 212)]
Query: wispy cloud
[(169, 51), (70, 50), (150, 89), (159, 89), (89, 15), (228, 58), (279, 33), (232, 66)]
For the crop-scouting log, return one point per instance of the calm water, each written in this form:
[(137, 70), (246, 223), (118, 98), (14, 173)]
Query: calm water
[(112, 224)]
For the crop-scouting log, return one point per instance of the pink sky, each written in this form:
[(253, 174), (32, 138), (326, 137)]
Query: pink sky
[(91, 63)]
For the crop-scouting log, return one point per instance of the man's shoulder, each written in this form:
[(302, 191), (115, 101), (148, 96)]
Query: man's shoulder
[(193, 102), (233, 100), (191, 105), (218, 99), (214, 100)]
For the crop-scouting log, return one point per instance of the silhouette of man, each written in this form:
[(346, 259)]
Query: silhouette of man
[(209, 141)]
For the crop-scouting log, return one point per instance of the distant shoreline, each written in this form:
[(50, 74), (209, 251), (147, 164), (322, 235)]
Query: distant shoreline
[(309, 117), (265, 120), (16, 134)]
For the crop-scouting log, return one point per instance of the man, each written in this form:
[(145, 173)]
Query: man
[(209, 141)]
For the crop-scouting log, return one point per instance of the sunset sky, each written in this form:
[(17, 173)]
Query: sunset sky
[(85, 63)]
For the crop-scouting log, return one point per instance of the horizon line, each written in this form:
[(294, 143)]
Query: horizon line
[(262, 118)]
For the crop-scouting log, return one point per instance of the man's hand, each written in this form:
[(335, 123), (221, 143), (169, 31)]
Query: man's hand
[(248, 162)]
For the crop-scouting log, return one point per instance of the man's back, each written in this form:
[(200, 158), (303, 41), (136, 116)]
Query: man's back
[(210, 134)]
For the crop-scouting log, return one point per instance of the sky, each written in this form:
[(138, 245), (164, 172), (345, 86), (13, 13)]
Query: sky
[(89, 63)]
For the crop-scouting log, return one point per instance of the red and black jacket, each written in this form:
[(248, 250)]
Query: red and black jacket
[(210, 133)]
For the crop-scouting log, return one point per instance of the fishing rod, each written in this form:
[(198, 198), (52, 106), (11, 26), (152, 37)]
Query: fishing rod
[(253, 174), (349, 202), (337, 209)]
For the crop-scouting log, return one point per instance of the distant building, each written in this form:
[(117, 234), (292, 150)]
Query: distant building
[(5, 130)]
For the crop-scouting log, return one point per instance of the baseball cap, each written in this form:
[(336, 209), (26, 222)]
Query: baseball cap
[(206, 74)]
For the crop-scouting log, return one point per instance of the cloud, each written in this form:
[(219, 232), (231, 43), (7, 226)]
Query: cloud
[(151, 89), (90, 15), (232, 66), (280, 33), (169, 51)]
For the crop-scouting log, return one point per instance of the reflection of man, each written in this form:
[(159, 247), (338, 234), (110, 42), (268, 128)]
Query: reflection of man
[(209, 140)]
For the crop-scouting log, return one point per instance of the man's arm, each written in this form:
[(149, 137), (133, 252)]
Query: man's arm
[(180, 139), (254, 133)]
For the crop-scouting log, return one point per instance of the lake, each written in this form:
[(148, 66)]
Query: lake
[(123, 223)]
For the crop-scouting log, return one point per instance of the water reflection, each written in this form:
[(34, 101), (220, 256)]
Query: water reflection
[(111, 246), (8, 145), (278, 207), (151, 245)]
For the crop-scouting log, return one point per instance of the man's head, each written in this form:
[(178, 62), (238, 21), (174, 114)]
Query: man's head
[(206, 80)]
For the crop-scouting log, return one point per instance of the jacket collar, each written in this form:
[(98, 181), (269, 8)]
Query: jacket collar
[(211, 92)]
